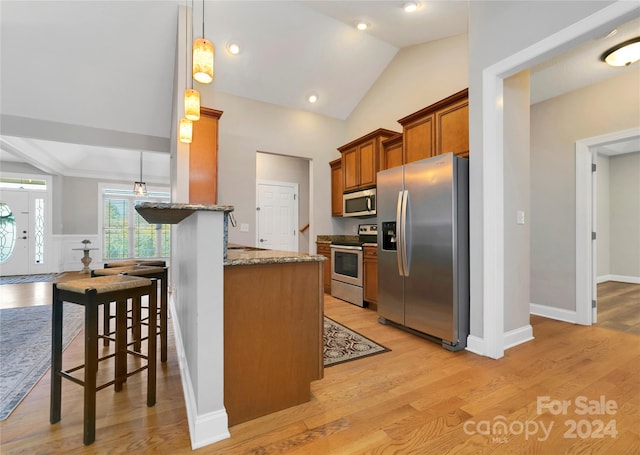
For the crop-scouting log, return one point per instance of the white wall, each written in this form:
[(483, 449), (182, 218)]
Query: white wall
[(418, 76), (624, 206), (248, 126), (516, 236), (556, 125)]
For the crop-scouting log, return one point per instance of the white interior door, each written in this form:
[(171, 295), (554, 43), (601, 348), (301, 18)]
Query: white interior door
[(14, 232), (277, 217), (594, 239)]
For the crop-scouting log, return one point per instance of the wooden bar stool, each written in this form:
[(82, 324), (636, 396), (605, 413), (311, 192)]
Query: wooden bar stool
[(130, 262), (160, 274), (91, 293)]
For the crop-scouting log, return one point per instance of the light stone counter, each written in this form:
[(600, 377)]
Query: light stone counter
[(243, 255)]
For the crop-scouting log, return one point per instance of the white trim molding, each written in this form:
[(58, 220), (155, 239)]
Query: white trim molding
[(518, 336), (550, 312), (619, 279), (584, 216)]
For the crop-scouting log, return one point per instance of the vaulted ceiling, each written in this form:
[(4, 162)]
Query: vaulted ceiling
[(84, 82)]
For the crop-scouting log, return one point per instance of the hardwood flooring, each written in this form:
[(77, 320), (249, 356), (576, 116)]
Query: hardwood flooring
[(619, 306), (416, 399)]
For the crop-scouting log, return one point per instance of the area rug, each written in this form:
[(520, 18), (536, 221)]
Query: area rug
[(25, 348), (342, 344), (16, 279)]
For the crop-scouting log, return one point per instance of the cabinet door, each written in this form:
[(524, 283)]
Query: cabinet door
[(418, 139), (452, 129), (370, 275), (336, 187), (350, 169), (368, 167), (392, 154), (325, 250)]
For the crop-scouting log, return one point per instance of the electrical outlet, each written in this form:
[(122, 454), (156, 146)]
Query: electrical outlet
[(244, 227)]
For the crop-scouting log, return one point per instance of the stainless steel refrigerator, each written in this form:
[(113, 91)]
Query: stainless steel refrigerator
[(423, 248)]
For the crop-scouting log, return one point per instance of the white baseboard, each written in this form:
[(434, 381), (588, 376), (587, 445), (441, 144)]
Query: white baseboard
[(475, 344), (207, 428), (518, 336), (553, 313), (619, 278)]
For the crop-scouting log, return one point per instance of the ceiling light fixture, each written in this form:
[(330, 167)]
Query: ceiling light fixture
[(140, 188), (362, 25), (233, 48), (624, 54), (186, 130), (313, 98), (203, 52), (410, 7)]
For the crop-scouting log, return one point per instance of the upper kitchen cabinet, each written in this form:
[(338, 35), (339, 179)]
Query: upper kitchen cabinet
[(361, 160), (203, 158), (336, 187), (391, 152), (442, 127)]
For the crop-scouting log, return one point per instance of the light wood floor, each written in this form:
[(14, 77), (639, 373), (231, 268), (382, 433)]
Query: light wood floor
[(619, 306), (416, 399)]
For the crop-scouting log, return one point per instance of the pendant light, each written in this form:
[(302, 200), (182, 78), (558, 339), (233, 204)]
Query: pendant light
[(140, 188), (186, 130), (203, 57)]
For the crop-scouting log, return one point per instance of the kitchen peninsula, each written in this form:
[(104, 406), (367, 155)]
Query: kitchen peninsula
[(273, 323), (248, 321)]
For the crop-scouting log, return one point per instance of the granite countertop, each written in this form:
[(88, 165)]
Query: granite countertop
[(246, 255), (173, 213)]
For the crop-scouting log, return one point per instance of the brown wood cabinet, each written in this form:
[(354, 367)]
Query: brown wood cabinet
[(391, 152), (273, 325), (324, 249), (361, 160), (203, 158), (442, 127), (370, 261), (336, 187)]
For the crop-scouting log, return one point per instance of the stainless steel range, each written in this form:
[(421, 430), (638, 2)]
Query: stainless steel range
[(347, 266)]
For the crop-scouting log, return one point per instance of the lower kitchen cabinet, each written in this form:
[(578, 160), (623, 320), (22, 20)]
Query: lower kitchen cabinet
[(324, 249), (370, 261)]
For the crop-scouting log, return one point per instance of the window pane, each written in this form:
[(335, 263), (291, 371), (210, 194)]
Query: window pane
[(7, 232), (144, 238), (39, 231), (166, 240), (116, 228)]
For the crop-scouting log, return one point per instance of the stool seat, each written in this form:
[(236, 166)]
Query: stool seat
[(136, 270), (104, 284), (130, 262)]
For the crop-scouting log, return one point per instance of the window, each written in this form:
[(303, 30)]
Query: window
[(125, 233)]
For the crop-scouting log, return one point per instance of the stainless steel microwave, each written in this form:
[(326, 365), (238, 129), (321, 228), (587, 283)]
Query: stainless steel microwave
[(359, 203)]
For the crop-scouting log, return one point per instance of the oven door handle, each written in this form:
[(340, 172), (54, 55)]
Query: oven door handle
[(346, 247)]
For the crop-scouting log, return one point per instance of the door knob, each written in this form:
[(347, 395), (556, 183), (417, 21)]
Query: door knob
[(24, 237), (262, 240)]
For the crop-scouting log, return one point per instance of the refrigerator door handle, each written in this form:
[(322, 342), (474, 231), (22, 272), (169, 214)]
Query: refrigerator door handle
[(399, 233), (405, 262)]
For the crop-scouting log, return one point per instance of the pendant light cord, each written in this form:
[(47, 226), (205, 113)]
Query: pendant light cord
[(202, 19), (140, 167)]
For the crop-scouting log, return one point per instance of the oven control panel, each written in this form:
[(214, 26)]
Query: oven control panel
[(368, 229)]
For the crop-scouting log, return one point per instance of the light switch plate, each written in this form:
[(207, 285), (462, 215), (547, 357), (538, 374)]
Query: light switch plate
[(520, 217), (244, 227)]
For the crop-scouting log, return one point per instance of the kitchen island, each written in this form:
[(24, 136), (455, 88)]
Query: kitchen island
[(273, 323)]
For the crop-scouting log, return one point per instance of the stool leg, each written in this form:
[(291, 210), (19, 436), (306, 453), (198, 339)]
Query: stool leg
[(106, 322), (151, 340), (91, 368), (163, 317), (136, 315), (121, 344), (56, 357)]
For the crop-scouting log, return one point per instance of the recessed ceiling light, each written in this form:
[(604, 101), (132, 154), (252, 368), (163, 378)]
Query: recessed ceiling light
[(233, 48), (624, 54), (410, 7), (361, 25), (313, 98)]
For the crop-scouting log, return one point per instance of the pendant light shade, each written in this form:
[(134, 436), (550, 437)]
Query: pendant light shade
[(140, 188), (192, 104), (203, 60), (186, 130)]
